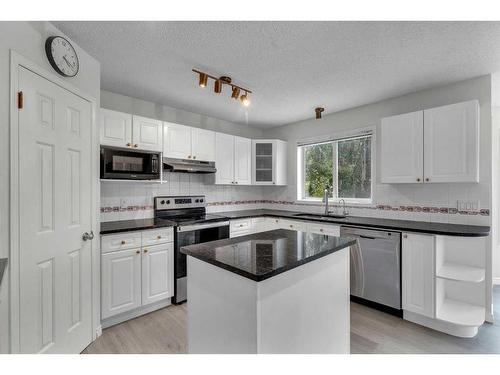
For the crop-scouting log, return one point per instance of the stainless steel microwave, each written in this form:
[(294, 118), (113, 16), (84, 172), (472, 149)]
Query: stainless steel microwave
[(124, 164)]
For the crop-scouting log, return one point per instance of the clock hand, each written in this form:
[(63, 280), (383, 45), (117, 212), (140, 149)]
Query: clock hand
[(67, 62)]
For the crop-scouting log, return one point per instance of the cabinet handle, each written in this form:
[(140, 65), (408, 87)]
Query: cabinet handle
[(137, 252), (276, 220), (291, 226), (129, 144), (321, 230), (405, 236), (418, 179), (236, 182), (158, 238), (194, 157), (145, 251), (189, 156), (274, 183), (136, 145), (427, 179), (123, 242)]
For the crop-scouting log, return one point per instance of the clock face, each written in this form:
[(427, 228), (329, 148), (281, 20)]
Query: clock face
[(62, 56)]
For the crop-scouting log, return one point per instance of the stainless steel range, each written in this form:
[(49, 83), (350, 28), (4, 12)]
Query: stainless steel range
[(193, 226)]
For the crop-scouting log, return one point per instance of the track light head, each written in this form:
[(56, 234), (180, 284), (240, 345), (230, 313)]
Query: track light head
[(318, 111), (245, 100), (236, 92), (203, 80), (218, 86)]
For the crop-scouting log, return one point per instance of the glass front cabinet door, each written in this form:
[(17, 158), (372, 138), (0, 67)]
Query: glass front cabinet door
[(269, 162)]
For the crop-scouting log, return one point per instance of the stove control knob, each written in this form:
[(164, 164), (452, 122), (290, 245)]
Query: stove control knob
[(168, 201), (196, 201), (162, 202), (201, 200)]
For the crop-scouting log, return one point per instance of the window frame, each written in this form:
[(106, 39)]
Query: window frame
[(369, 132)]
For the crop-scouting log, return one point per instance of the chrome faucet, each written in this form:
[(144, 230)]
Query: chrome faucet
[(325, 199), (344, 211)]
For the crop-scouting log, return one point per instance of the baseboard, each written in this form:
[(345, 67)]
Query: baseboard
[(120, 318), (98, 331)]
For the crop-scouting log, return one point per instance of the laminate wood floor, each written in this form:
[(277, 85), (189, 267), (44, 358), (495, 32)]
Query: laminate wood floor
[(372, 331)]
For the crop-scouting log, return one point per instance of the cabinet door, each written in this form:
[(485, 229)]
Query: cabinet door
[(115, 128), (264, 162), (418, 273), (401, 148), (224, 158), (451, 143), (203, 144), (147, 134), (157, 272), (242, 161), (121, 282), (176, 141)]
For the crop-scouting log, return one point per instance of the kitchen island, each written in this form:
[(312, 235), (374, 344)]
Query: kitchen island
[(279, 291)]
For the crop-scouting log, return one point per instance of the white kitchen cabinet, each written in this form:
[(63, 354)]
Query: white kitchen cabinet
[(185, 142), (147, 133), (322, 228), (121, 282), (300, 226), (431, 146), (241, 227), (269, 162), (418, 281), (176, 141), (115, 128), (401, 150), (233, 160), (202, 144), (451, 143), (157, 272), (242, 161)]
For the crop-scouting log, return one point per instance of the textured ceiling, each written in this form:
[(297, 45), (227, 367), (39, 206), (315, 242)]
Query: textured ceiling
[(292, 67)]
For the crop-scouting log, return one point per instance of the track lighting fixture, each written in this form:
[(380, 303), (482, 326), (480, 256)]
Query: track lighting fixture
[(224, 80), (318, 111), (244, 99), (203, 80), (236, 92)]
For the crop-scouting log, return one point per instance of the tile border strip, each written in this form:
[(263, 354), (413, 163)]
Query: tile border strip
[(383, 207)]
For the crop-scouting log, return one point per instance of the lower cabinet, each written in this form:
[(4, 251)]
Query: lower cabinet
[(418, 274), (136, 277), (157, 265), (121, 282)]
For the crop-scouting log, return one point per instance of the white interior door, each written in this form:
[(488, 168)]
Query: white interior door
[(54, 211)]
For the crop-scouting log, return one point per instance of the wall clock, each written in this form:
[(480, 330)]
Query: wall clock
[(62, 56)]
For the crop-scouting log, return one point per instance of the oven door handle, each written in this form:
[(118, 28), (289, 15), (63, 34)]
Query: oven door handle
[(189, 228)]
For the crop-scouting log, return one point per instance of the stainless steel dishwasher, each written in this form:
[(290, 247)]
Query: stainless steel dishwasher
[(376, 267)]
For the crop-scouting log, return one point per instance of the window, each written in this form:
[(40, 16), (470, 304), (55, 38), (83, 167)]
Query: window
[(344, 165)]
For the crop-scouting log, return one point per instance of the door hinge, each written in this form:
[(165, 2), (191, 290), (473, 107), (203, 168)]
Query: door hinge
[(20, 100)]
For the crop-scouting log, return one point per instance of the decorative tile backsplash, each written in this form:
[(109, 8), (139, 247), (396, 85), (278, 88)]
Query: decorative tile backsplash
[(134, 200)]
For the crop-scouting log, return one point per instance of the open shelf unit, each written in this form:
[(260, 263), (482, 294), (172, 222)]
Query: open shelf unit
[(460, 272), (462, 313)]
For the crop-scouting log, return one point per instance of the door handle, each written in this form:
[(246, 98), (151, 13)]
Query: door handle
[(88, 236), (367, 237)]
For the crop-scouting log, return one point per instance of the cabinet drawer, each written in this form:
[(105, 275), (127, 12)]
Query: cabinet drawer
[(157, 236), (120, 241), (328, 229), (241, 225), (293, 225)]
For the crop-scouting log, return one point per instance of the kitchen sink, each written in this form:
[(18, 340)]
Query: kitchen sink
[(318, 216)]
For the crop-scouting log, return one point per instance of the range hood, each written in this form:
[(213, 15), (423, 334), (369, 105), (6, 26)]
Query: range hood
[(188, 166)]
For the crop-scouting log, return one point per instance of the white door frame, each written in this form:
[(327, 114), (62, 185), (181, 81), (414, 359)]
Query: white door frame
[(17, 60)]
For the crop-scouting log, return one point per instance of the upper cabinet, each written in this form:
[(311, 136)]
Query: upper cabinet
[(120, 129), (233, 160), (185, 142), (147, 133), (269, 157), (115, 128), (451, 143), (402, 148), (435, 145)]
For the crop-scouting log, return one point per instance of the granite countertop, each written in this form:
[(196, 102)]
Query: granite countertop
[(263, 255), (401, 225), (110, 227), (3, 266)]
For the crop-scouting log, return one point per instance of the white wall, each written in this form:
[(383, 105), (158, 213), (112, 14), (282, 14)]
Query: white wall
[(28, 39), (440, 195), (495, 220), (162, 112)]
